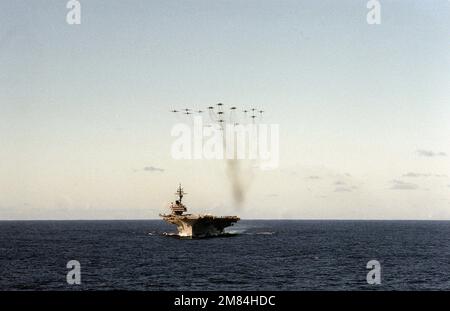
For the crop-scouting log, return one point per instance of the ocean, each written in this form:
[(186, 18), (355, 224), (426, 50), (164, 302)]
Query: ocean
[(261, 255)]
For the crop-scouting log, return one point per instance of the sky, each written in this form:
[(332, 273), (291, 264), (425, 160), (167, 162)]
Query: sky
[(363, 110)]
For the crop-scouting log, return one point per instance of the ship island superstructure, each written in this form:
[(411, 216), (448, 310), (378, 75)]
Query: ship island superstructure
[(196, 226)]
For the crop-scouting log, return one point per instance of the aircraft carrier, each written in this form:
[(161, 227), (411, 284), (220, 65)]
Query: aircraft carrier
[(196, 226)]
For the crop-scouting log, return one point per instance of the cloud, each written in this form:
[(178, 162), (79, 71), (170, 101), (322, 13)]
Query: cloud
[(441, 175), (343, 189), (429, 153), (152, 169), (339, 183), (413, 175), (401, 185), (313, 177)]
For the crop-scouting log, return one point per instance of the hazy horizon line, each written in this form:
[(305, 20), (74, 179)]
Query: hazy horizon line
[(242, 219)]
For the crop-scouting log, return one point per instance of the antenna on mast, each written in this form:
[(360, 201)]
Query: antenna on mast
[(180, 192)]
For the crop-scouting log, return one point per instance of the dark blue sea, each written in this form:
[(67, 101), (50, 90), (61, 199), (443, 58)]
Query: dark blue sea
[(262, 255)]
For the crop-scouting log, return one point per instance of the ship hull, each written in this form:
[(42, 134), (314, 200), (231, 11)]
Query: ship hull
[(200, 226)]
